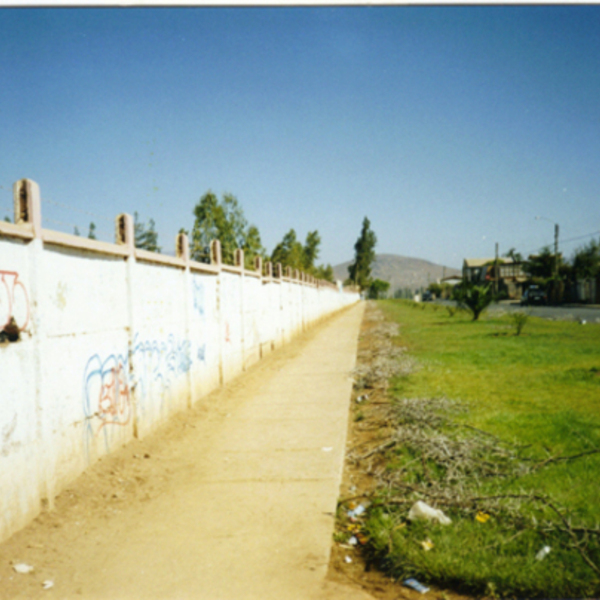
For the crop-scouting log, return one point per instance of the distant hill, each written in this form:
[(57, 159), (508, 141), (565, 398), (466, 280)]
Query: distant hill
[(401, 271)]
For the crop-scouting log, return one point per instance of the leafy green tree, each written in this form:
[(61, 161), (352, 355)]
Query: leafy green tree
[(364, 255), (540, 266), (207, 225), (76, 231), (92, 231), (289, 252), (473, 298), (224, 221), (252, 246), (311, 250), (547, 270), (586, 262), (441, 290), (378, 289), (233, 227), (7, 219), (325, 272), (516, 256), (146, 237)]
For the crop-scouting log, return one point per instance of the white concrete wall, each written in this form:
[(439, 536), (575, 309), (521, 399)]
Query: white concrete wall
[(112, 345)]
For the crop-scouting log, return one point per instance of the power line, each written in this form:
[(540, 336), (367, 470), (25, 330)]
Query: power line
[(581, 237), (563, 242)]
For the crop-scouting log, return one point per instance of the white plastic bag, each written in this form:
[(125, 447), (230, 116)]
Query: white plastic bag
[(421, 510)]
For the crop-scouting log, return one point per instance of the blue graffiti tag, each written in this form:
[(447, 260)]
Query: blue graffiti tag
[(198, 295), (150, 368), (106, 396), (201, 353)]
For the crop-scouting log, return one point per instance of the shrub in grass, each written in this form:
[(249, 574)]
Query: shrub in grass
[(451, 310), (519, 319), (473, 298)]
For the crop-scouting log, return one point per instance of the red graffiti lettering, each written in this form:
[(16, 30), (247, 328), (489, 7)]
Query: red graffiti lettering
[(14, 295), (113, 403)]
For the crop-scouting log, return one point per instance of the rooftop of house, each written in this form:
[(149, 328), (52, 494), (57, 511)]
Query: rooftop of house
[(473, 263)]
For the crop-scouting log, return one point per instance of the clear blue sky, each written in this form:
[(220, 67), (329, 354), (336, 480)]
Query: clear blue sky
[(451, 128)]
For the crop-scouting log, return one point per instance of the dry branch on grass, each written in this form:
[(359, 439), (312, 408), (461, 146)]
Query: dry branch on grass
[(443, 461)]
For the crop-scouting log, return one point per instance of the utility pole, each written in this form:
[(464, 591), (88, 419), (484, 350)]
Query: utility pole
[(556, 250), (496, 272), (555, 245)]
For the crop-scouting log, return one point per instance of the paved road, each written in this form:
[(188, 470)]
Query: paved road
[(248, 512), (590, 314)]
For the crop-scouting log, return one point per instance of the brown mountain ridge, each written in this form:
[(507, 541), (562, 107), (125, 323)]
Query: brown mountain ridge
[(401, 271)]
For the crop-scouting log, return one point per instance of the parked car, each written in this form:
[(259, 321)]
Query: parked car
[(534, 295), (427, 296)]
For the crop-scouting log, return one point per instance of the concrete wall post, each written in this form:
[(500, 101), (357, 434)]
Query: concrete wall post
[(182, 250), (216, 259), (125, 236), (238, 258), (27, 207)]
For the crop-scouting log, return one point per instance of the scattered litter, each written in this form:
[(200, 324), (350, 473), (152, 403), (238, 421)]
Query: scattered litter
[(22, 568), (359, 510), (415, 585), (146, 455), (427, 545), (543, 553), (421, 510), (362, 398), (362, 538), (327, 449), (353, 541), (48, 584), (482, 517), (348, 559)]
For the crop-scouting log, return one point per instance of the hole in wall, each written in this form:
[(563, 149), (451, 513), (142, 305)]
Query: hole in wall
[(10, 332)]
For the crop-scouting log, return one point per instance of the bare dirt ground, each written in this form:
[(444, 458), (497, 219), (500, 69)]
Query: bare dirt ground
[(187, 512)]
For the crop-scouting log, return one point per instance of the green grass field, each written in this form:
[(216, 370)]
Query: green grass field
[(540, 392)]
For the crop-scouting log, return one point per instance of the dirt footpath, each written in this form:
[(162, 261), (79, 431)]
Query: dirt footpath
[(232, 500)]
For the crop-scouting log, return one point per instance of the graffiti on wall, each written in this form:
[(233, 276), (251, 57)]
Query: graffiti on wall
[(106, 391), (198, 296), (14, 301), (150, 369), (198, 299), (157, 364), (201, 353)]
